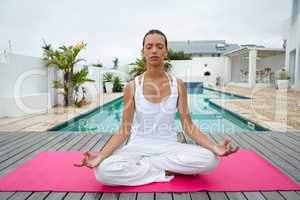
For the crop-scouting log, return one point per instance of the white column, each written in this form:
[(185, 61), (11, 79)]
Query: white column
[(252, 67), (228, 70), (297, 70), (297, 63)]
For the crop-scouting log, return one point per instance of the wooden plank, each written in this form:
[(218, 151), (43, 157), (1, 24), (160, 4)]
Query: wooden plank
[(284, 139), (110, 196), (145, 196), (199, 195), (73, 196), (218, 195), (281, 141), (128, 196), (11, 152), (294, 136), (292, 195), (56, 196), (181, 196), (20, 195), (14, 138), (285, 153), (11, 167), (24, 154), (92, 196), (254, 196), (4, 135), (163, 196), (273, 195), (37, 195), (235, 195), (17, 142)]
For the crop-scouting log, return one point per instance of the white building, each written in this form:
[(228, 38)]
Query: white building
[(207, 56), (293, 46), (251, 65)]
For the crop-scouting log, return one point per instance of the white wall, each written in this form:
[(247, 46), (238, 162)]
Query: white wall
[(24, 86), (192, 70), (293, 44)]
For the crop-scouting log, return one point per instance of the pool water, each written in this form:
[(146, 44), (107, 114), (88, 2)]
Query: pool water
[(207, 117)]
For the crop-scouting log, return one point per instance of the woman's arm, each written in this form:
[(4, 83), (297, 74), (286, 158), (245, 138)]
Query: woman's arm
[(119, 137), (124, 131), (221, 149)]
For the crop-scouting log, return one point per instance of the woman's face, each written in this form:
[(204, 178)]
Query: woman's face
[(154, 49)]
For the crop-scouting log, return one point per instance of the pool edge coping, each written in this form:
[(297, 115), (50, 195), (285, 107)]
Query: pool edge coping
[(76, 118)]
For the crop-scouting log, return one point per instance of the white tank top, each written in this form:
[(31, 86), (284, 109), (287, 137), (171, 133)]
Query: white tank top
[(154, 122)]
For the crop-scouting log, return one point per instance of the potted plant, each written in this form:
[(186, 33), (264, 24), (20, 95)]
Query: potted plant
[(108, 78), (117, 84), (282, 77)]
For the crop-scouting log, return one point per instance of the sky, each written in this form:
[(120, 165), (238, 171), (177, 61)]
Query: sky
[(116, 28)]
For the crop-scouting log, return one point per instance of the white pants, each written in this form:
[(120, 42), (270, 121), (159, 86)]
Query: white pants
[(141, 164)]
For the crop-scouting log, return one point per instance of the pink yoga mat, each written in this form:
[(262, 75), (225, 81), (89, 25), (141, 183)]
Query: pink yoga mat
[(54, 171)]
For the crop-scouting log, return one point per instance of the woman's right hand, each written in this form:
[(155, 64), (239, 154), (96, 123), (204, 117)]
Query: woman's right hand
[(89, 160)]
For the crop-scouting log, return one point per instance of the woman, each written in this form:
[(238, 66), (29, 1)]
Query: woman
[(152, 153)]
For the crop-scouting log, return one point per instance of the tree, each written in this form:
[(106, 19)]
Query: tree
[(65, 58), (177, 55)]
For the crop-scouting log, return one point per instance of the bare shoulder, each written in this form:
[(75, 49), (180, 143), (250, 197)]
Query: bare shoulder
[(129, 88), (181, 86)]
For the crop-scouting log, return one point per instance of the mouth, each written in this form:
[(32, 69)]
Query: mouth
[(154, 57)]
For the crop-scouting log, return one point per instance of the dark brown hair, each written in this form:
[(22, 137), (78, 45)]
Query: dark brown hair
[(155, 31)]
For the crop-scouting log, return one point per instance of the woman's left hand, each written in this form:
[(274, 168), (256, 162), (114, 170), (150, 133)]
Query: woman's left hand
[(224, 148)]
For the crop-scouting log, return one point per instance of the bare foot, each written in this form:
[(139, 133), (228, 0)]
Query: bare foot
[(169, 173)]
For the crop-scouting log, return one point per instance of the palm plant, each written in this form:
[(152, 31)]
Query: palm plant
[(140, 67), (108, 77), (117, 84), (65, 59)]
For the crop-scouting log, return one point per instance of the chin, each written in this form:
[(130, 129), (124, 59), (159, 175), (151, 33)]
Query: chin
[(156, 63)]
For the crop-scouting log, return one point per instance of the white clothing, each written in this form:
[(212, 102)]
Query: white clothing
[(152, 147)]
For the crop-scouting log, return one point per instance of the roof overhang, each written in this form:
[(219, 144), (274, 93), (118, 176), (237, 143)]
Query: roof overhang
[(261, 52)]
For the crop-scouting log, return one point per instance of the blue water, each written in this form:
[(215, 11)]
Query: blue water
[(205, 116)]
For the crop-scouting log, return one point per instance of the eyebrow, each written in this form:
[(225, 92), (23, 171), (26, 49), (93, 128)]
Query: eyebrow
[(156, 44)]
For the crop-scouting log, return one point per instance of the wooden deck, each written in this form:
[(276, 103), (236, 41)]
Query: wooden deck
[(281, 149)]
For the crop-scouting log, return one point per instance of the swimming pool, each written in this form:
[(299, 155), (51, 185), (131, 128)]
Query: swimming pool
[(208, 117)]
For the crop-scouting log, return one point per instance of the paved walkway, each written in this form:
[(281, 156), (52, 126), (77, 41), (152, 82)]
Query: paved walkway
[(273, 109)]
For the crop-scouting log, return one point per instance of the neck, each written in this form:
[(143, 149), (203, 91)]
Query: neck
[(155, 72)]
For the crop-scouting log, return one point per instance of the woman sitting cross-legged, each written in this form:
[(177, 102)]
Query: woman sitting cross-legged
[(152, 153)]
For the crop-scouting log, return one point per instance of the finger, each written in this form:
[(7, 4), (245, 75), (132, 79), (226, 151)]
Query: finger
[(235, 149), (87, 154), (226, 142), (80, 164)]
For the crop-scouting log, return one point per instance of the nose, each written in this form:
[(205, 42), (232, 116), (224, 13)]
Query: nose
[(154, 50)]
